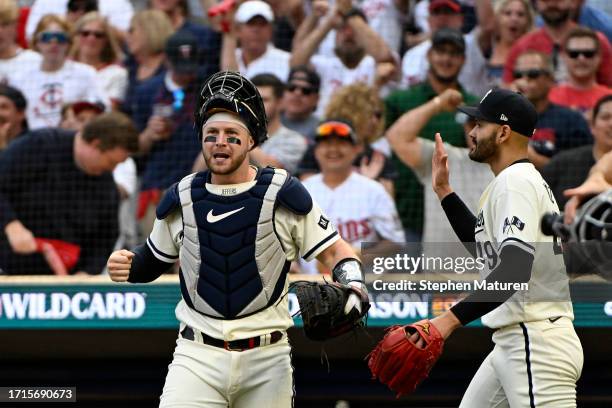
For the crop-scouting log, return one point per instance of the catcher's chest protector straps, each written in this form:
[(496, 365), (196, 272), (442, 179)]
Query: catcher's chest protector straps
[(232, 262)]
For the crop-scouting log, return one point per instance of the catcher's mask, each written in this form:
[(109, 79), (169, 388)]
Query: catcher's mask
[(593, 228), (228, 91)]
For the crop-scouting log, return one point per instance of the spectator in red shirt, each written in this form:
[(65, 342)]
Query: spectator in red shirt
[(549, 40), (581, 54), (558, 128)]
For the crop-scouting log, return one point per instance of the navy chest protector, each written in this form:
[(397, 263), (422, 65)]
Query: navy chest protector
[(233, 263)]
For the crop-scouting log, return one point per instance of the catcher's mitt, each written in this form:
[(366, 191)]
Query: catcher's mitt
[(399, 363), (322, 308)]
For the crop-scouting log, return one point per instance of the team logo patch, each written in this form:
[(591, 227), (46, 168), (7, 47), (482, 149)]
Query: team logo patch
[(513, 222), (323, 222)]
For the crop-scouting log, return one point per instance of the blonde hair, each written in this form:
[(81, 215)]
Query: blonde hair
[(499, 5), (45, 22), (156, 27), (111, 52), (9, 12), (358, 103)]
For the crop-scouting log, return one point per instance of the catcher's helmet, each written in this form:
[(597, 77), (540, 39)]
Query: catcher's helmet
[(230, 91), (593, 231)]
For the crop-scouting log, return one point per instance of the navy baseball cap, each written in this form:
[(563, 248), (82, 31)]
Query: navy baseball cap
[(448, 35), (183, 52), (505, 107)]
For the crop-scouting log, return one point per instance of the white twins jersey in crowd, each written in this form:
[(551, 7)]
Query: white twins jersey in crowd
[(47, 92), (509, 213), (334, 74), (298, 234), (360, 208)]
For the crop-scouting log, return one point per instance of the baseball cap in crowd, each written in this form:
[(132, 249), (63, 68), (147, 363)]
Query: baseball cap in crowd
[(183, 53), (306, 74), (254, 8), (448, 36), (505, 107), (452, 5), (81, 106), (335, 128), (15, 96)]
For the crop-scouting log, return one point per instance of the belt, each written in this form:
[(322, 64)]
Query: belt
[(234, 345)]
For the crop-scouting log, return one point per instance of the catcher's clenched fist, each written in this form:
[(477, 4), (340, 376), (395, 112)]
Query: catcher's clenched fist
[(119, 264)]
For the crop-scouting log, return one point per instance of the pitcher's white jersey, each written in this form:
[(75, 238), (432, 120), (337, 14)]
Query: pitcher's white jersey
[(509, 213)]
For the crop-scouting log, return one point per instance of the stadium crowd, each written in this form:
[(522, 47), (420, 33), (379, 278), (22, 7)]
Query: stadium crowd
[(97, 104)]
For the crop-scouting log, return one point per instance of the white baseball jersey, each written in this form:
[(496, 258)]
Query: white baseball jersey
[(360, 208), (47, 92), (334, 74), (509, 213), (273, 61), (300, 235), (22, 60)]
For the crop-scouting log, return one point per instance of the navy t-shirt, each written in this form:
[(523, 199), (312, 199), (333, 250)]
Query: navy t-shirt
[(559, 128)]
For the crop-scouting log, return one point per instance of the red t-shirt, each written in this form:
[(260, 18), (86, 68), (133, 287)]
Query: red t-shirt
[(578, 99), (539, 40)]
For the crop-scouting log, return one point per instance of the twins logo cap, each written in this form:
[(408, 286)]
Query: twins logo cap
[(505, 107)]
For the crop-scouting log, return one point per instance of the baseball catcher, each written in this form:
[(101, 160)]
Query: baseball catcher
[(236, 229)]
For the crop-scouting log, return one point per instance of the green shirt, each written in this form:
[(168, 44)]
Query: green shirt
[(408, 190)]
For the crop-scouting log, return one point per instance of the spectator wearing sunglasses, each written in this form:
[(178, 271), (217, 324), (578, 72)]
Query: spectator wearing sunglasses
[(56, 81), (361, 105), (549, 40), (558, 128), (360, 54), (118, 12), (359, 207), (164, 114), (284, 147), (300, 100), (582, 58), (96, 45), (12, 57)]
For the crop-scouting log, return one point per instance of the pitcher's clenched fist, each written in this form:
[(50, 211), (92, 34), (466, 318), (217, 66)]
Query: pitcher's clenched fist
[(119, 264)]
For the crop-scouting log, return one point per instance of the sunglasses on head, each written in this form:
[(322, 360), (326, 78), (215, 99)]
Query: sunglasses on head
[(573, 54), (333, 128), (530, 73), (98, 34), (48, 36), (305, 90)]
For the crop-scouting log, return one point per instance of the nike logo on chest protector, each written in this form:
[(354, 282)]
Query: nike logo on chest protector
[(211, 218)]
